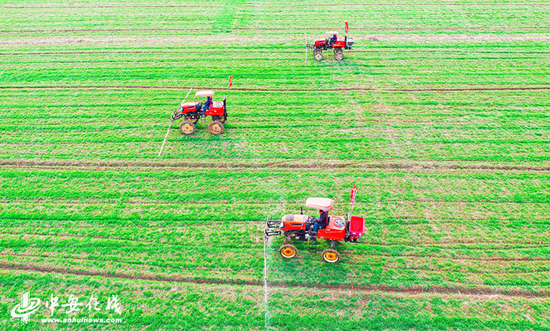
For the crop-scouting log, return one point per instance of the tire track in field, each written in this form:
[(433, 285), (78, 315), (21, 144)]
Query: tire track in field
[(457, 244), (141, 264), (228, 165), (115, 202), (485, 290), (200, 223), (173, 39), (108, 259), (137, 52), (62, 271), (479, 28), (239, 51), (467, 258), (105, 239), (104, 6), (244, 89), (252, 245)]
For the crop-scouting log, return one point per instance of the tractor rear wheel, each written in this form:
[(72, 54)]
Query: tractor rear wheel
[(288, 251), (216, 128), (331, 256), (187, 128), (338, 54), (318, 55)]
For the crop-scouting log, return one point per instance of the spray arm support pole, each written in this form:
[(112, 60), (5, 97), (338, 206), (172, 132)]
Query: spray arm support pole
[(266, 242), (186, 95), (305, 41), (169, 127)]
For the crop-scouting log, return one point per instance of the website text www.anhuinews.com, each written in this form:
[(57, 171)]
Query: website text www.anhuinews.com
[(82, 320)]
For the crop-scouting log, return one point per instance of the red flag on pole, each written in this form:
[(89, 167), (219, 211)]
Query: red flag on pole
[(353, 194), (347, 27), (230, 83)]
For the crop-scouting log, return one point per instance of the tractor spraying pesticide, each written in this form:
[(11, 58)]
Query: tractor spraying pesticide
[(301, 227), (193, 111), (335, 43)]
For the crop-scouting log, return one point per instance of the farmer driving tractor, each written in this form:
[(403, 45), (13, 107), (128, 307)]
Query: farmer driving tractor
[(320, 223), (333, 38), (206, 106)]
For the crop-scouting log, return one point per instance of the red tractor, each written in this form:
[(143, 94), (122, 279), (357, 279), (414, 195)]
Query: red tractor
[(191, 112), (299, 226), (338, 45)]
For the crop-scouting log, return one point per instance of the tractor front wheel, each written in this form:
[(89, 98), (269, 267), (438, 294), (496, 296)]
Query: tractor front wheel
[(338, 54), (216, 128), (331, 256), (317, 54), (187, 128), (288, 251)]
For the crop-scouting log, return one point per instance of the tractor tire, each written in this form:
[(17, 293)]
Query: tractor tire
[(331, 256), (219, 118), (192, 120), (288, 251), (317, 55), (338, 54), (187, 128), (216, 128)]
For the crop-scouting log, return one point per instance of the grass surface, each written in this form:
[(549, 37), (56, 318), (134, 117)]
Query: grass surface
[(439, 115)]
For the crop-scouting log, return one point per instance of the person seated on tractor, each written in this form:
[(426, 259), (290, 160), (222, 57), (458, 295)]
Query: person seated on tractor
[(321, 222), (206, 106), (333, 39)]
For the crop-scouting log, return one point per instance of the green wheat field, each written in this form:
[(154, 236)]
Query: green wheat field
[(440, 115)]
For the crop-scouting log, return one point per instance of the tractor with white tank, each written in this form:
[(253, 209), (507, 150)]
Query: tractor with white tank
[(193, 111), (335, 43), (299, 227)]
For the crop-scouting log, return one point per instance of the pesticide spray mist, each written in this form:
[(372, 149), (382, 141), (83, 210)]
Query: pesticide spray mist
[(267, 242)]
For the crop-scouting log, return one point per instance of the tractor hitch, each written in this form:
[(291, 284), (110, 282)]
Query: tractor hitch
[(272, 227), (272, 232), (273, 223), (177, 114)]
